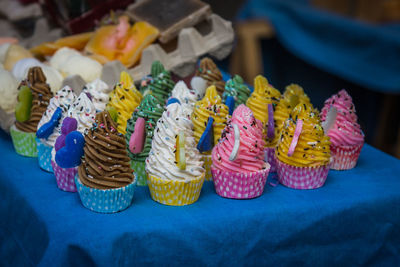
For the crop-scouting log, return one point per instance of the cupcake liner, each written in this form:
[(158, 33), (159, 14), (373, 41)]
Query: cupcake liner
[(239, 185), (24, 143), (302, 177), (269, 156), (345, 157), (175, 193), (44, 155), (105, 201), (139, 169), (207, 166), (65, 177)]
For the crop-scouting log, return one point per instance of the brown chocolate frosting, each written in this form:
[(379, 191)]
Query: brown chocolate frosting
[(210, 72), (105, 163), (41, 94)]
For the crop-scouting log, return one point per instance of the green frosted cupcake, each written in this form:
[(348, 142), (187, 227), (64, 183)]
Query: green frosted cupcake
[(160, 84), (238, 89), (150, 109)]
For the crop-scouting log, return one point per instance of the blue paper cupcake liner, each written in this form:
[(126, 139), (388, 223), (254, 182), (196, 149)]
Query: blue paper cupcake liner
[(44, 156), (105, 201)]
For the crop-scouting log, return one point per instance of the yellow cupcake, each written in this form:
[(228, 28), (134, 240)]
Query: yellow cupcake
[(312, 149), (124, 98), (296, 90), (210, 105), (258, 101)]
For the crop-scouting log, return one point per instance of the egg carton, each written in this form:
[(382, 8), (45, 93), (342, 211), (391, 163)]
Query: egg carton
[(191, 45)]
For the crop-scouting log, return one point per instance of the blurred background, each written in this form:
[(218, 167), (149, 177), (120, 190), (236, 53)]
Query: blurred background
[(323, 45)]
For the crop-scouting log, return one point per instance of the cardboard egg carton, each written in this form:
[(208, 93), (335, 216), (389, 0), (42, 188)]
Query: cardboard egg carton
[(191, 45)]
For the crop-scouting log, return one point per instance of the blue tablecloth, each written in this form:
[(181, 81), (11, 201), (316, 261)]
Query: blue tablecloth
[(365, 54), (354, 219)]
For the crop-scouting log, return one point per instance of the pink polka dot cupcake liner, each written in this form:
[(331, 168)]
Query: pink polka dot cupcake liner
[(345, 157), (239, 185), (301, 177), (65, 177), (269, 156)]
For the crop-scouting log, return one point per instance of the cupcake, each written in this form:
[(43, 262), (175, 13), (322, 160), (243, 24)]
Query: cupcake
[(236, 88), (33, 98), (105, 181), (99, 94), (293, 95), (124, 99), (209, 108), (303, 153), (83, 112), (187, 97), (161, 84), (174, 166), (45, 143), (238, 167), (210, 72), (346, 135), (149, 110), (263, 103)]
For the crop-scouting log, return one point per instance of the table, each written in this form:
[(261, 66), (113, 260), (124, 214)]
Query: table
[(354, 219)]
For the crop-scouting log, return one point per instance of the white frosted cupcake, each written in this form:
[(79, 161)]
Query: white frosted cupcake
[(99, 92), (174, 166), (186, 97), (63, 100)]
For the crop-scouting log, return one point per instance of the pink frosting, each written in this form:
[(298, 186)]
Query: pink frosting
[(250, 157), (346, 131)]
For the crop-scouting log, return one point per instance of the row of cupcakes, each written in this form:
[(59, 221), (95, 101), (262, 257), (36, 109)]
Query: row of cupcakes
[(154, 146)]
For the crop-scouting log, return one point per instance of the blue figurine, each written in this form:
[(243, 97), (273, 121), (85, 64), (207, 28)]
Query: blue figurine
[(230, 102), (47, 129), (206, 141), (70, 155)]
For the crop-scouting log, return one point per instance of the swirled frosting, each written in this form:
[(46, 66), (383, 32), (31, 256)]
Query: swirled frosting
[(210, 105), (250, 156), (186, 97), (161, 85), (210, 72), (63, 99), (264, 94), (99, 92), (293, 95), (105, 163), (346, 131), (312, 149), (124, 98), (238, 89), (41, 93), (83, 111), (161, 161), (151, 110)]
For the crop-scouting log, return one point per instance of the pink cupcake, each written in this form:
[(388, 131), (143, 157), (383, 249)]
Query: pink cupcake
[(340, 122), (238, 167)]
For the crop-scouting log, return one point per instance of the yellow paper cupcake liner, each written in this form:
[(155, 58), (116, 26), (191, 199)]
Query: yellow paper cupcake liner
[(175, 193), (207, 167)]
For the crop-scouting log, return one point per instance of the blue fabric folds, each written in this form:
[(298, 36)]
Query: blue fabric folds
[(353, 219), (366, 54)]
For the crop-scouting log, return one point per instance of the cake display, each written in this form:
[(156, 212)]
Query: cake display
[(33, 98), (174, 166), (124, 99), (238, 167), (303, 152), (263, 103), (210, 72), (105, 181), (140, 129), (49, 126), (209, 118), (340, 122)]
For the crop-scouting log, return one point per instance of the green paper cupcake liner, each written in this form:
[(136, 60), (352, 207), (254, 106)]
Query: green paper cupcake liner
[(139, 169), (24, 143)]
